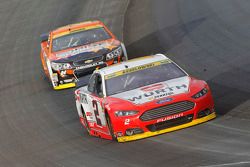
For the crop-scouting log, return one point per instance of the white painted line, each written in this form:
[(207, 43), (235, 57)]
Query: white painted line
[(228, 164)]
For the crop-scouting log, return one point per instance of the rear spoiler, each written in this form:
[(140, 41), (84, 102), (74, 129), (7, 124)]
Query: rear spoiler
[(83, 81), (44, 37)]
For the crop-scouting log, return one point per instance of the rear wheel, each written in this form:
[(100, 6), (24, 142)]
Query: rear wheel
[(110, 126)]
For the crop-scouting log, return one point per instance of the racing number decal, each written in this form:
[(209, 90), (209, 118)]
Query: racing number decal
[(127, 121), (96, 111)]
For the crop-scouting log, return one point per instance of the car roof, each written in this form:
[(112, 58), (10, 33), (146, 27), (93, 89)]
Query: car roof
[(132, 63), (72, 27)]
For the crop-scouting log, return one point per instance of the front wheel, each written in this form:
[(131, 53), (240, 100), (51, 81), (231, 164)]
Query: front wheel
[(85, 121), (52, 76), (110, 126)]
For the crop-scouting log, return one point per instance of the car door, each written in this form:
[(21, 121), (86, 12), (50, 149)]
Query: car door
[(94, 110)]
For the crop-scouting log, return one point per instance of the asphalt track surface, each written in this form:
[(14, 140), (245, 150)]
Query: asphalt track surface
[(209, 38)]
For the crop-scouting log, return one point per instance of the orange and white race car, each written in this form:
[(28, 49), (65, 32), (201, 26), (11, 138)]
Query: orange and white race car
[(76, 50)]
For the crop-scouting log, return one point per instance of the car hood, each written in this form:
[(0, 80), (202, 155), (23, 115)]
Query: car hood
[(102, 47), (156, 91)]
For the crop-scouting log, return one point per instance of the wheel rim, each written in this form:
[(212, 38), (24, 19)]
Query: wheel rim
[(110, 127)]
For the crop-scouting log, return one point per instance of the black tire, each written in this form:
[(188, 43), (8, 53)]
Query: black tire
[(85, 121), (110, 126)]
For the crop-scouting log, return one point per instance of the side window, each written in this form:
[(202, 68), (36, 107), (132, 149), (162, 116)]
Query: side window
[(99, 86), (92, 83)]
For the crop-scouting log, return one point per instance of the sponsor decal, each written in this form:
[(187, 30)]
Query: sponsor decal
[(166, 89), (89, 65), (68, 80), (164, 100), (83, 49), (156, 94), (153, 87), (88, 114), (137, 68), (169, 117), (74, 31)]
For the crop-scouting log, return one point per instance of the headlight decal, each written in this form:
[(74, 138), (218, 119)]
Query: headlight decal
[(115, 53), (200, 93), (60, 66), (126, 113)]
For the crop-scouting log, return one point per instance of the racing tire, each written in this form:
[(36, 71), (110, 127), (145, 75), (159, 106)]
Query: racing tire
[(85, 121), (50, 72), (45, 76), (110, 126)]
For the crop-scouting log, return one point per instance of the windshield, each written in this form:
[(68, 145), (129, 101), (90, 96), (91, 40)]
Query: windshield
[(142, 78), (79, 38)]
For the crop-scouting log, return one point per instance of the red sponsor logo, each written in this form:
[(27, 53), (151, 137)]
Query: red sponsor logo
[(88, 114), (170, 117), (153, 87)]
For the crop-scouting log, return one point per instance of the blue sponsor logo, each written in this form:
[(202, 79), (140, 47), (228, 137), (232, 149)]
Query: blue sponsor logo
[(164, 100)]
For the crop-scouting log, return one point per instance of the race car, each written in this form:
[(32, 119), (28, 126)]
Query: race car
[(76, 50), (142, 97)]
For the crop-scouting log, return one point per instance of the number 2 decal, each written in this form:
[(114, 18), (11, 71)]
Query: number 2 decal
[(127, 121), (95, 106)]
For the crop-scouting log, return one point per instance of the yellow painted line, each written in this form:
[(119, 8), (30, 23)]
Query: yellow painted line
[(149, 134), (65, 86)]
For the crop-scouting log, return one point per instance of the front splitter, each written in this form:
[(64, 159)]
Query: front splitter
[(149, 134)]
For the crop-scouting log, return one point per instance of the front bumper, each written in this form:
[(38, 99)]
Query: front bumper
[(64, 86), (149, 134), (66, 78)]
